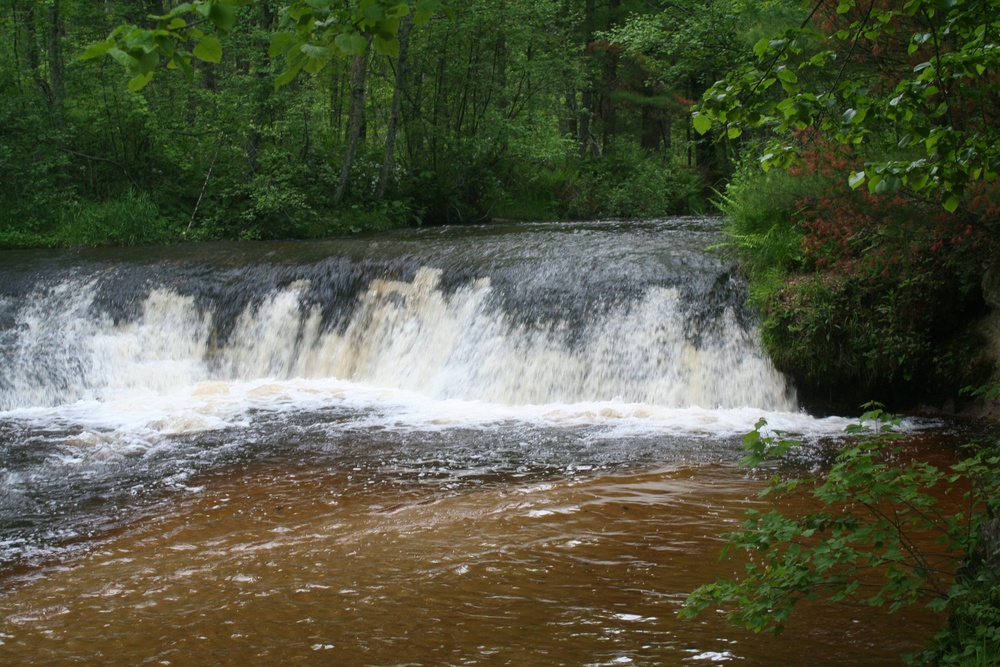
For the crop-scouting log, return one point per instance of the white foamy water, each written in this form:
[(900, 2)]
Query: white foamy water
[(492, 429), (573, 348), (403, 336)]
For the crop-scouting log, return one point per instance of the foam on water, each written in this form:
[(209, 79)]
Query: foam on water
[(403, 336), (557, 348)]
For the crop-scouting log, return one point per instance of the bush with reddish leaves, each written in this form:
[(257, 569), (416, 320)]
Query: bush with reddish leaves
[(882, 288)]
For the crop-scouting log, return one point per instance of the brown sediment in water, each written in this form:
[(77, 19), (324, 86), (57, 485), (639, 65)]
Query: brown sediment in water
[(284, 563)]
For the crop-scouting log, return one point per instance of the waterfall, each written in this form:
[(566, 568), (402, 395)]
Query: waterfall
[(521, 329), (449, 356)]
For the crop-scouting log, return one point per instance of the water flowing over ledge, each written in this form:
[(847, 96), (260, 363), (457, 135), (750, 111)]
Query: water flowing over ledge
[(544, 314), (448, 354)]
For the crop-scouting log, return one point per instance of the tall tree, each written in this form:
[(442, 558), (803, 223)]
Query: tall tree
[(392, 129), (913, 85)]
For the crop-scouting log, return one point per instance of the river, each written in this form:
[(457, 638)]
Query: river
[(511, 444)]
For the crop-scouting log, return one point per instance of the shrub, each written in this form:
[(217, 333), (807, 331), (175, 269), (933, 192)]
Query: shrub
[(130, 219), (627, 183), (860, 293), (862, 544)]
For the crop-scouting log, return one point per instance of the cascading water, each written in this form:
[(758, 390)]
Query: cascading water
[(214, 431), (444, 327), (115, 361)]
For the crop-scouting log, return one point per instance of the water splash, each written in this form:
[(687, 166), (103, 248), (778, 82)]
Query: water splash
[(408, 335)]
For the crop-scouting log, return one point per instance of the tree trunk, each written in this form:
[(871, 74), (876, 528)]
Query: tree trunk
[(55, 56), (32, 56), (651, 129), (356, 118), (397, 101)]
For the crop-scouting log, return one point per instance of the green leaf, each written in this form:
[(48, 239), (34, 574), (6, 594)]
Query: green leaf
[(386, 46), (97, 50), (148, 61), (951, 202), (176, 11), (139, 81), (183, 61), (125, 60), (787, 75), (280, 44), (425, 10), (288, 75), (761, 47), (397, 11), (373, 14), (351, 43), (223, 16), (856, 179), (702, 123), (734, 132), (209, 50), (316, 57)]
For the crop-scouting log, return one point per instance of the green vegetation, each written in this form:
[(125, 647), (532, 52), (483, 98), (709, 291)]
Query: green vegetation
[(884, 534), (858, 141), (259, 119), (866, 207), (860, 294), (865, 211)]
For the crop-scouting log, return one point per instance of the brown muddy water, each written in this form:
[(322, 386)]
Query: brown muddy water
[(282, 564), (497, 445)]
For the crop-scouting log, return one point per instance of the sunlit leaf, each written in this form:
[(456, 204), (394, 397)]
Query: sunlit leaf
[(139, 81), (787, 75), (761, 47), (208, 50), (702, 123), (351, 43)]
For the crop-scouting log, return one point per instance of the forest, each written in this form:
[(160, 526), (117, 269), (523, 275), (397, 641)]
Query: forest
[(526, 110)]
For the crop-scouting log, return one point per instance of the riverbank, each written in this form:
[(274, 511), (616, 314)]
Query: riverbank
[(865, 296)]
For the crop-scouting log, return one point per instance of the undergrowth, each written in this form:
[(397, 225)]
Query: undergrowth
[(861, 293), (886, 534)]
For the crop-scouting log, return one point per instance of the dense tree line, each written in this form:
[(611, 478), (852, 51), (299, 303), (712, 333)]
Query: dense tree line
[(544, 109)]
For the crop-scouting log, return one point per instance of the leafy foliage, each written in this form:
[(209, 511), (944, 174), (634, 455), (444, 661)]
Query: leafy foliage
[(624, 185), (913, 82), (867, 541), (317, 30), (861, 293)]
